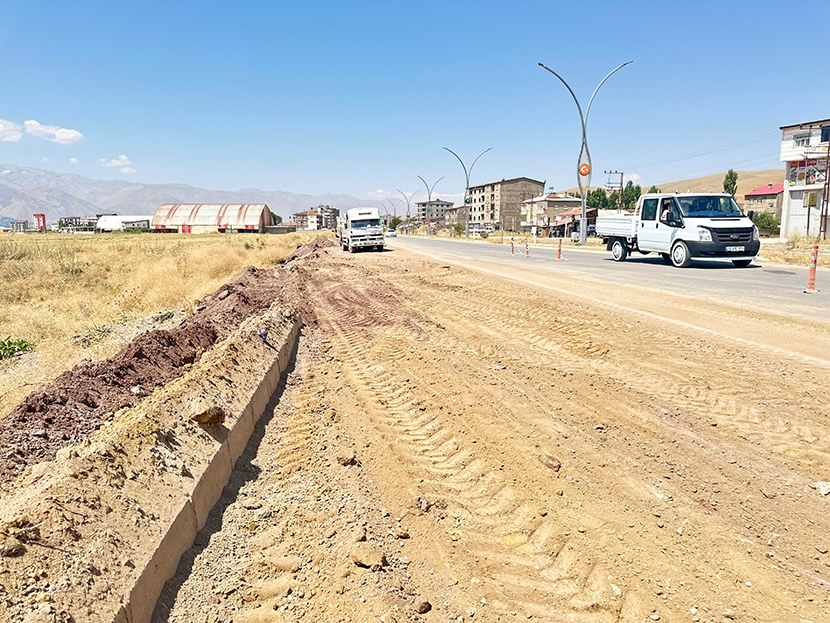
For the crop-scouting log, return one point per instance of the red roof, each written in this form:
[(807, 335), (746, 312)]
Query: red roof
[(769, 189)]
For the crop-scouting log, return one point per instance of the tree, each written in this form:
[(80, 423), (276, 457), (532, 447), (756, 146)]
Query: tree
[(730, 182), (598, 199), (393, 224), (276, 219), (630, 195), (654, 189), (766, 221), (614, 200)]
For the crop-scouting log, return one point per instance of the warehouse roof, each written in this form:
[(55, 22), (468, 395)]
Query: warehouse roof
[(211, 215)]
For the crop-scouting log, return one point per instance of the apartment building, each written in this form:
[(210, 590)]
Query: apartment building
[(540, 212), (804, 149), (499, 204), (769, 198), (308, 220), (431, 209)]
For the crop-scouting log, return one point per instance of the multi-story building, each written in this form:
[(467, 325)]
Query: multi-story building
[(767, 198), (431, 209), (19, 226), (456, 215), (541, 211), (804, 149), (498, 204), (328, 216), (308, 220)]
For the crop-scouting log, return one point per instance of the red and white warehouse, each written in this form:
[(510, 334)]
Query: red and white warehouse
[(207, 218)]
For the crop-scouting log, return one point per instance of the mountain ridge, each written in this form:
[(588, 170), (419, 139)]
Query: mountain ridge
[(27, 190)]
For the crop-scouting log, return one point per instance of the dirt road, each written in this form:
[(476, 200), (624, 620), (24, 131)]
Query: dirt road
[(453, 444)]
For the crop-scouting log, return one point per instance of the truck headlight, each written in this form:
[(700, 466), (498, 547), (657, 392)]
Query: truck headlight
[(704, 234), (755, 234)]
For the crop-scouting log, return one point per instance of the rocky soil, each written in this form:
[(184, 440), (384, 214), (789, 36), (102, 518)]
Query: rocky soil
[(458, 445)]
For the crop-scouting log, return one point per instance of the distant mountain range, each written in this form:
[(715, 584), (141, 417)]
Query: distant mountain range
[(25, 191)]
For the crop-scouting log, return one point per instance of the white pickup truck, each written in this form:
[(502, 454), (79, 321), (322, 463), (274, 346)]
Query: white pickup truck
[(360, 228), (682, 228)]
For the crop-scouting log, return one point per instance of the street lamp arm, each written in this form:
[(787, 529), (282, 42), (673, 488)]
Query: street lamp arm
[(588, 110), (463, 166), (573, 95), (476, 160)]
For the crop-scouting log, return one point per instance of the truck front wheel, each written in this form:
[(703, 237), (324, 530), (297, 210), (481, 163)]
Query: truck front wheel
[(680, 256), (618, 250)]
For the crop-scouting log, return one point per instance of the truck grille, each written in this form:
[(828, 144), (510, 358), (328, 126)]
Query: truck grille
[(732, 235)]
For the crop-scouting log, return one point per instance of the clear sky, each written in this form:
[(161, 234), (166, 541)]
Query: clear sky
[(360, 97)]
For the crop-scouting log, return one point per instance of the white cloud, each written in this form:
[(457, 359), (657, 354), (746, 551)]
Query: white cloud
[(632, 177), (44, 160), (9, 132), (123, 163), (52, 132), (379, 194), (73, 160)]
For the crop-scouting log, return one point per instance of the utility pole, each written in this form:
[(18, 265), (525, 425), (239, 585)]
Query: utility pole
[(429, 196), (619, 195), (583, 166), (467, 203)]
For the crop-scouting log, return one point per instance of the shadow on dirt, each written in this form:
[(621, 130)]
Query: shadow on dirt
[(244, 472)]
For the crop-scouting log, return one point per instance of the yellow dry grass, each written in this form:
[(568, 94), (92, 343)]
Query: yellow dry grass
[(54, 287)]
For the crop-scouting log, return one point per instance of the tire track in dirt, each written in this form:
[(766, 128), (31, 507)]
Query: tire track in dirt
[(548, 569)]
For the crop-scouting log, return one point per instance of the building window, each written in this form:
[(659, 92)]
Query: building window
[(802, 141), (825, 134)]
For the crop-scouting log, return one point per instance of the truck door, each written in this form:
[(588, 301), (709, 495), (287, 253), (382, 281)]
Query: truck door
[(667, 224), (647, 230)]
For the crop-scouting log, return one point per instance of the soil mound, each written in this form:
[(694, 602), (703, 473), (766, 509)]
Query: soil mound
[(78, 402)]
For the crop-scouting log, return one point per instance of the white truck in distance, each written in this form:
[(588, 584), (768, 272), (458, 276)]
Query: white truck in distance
[(681, 228), (360, 228)]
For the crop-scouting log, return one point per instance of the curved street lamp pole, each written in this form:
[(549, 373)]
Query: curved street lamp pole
[(408, 201), (583, 167), (429, 196), (467, 174)]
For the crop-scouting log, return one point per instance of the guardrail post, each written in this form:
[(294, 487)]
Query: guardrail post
[(559, 250), (511, 246), (811, 280)]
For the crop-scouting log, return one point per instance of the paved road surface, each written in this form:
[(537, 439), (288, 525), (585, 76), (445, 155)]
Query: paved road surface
[(773, 288)]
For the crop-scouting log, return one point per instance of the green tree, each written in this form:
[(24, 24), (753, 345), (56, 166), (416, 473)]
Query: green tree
[(598, 199), (730, 182), (60, 223), (457, 230), (630, 195), (277, 219), (654, 189), (614, 200), (393, 224), (767, 221)]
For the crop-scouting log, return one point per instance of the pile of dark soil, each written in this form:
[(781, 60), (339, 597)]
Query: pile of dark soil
[(77, 403)]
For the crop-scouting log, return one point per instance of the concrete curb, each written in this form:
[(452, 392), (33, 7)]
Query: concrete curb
[(141, 599)]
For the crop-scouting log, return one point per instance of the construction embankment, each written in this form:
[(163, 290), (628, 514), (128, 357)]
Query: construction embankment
[(138, 449)]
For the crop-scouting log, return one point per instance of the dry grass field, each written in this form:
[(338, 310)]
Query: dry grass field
[(83, 296)]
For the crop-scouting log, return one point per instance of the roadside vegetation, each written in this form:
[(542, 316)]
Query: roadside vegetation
[(64, 293)]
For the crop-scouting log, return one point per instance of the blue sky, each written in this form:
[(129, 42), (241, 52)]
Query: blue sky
[(360, 98)]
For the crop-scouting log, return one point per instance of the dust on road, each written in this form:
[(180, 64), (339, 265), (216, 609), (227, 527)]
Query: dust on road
[(458, 444)]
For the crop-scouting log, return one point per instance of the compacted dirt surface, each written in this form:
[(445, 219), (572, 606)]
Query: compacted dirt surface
[(476, 443), (453, 444)]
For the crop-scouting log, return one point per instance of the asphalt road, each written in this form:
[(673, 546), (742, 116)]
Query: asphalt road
[(773, 288)]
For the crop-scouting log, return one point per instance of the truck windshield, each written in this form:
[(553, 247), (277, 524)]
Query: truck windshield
[(709, 207), (367, 223)]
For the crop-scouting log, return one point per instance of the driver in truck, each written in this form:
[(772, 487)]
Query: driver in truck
[(666, 211)]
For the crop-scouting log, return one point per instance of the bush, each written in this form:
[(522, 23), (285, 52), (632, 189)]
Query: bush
[(10, 347), (457, 229), (483, 235), (767, 221)]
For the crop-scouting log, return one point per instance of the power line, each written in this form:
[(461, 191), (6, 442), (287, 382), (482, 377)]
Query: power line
[(719, 168), (743, 143)]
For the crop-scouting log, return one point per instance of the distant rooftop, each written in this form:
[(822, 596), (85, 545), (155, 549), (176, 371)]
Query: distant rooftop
[(769, 189)]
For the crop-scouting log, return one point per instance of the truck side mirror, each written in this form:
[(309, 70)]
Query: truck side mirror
[(751, 215)]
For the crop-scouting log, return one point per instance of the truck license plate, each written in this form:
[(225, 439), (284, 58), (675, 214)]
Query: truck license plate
[(728, 249)]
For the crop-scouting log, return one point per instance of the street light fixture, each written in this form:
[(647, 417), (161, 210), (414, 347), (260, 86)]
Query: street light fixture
[(429, 196), (467, 174), (583, 167), (408, 200)]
